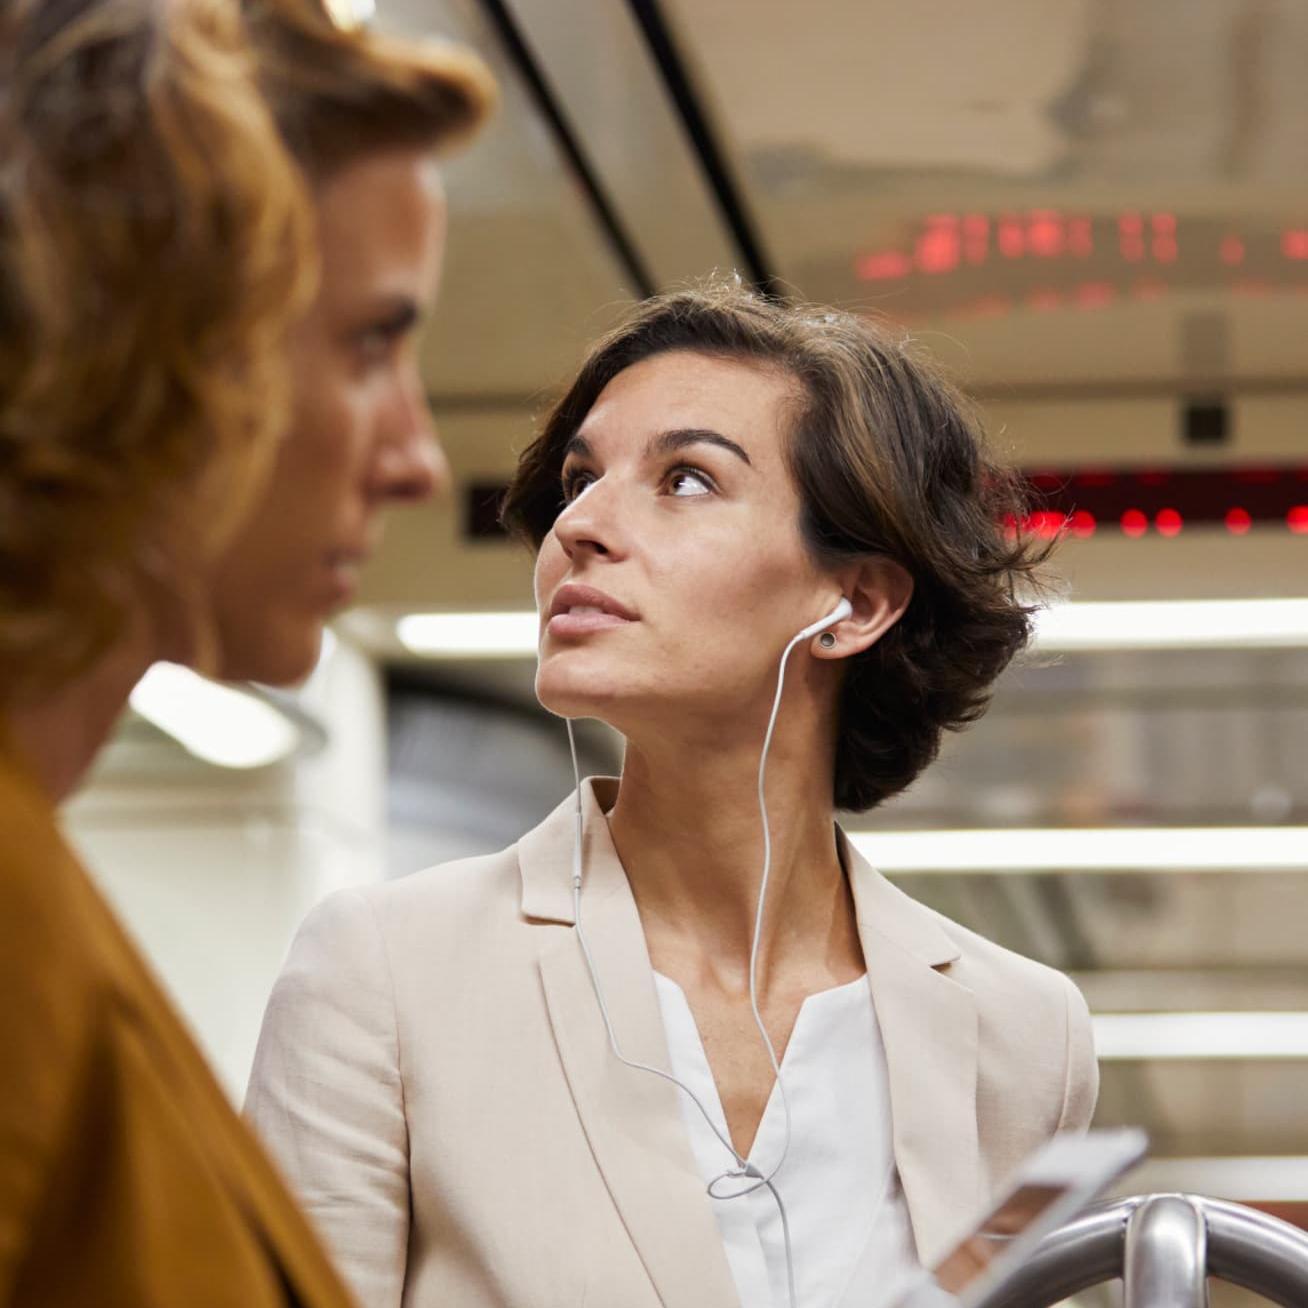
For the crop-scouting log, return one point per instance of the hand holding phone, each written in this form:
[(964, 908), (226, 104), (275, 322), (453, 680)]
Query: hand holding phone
[(1051, 1187)]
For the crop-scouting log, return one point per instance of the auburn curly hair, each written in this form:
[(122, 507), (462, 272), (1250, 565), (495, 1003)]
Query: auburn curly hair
[(889, 460), (342, 93), (155, 245)]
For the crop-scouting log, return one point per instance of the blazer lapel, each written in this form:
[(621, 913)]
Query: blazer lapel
[(929, 1026), (632, 1119)]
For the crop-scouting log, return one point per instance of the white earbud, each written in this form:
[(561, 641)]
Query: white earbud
[(838, 614)]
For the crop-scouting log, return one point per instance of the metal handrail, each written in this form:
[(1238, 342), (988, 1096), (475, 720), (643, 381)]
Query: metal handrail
[(1166, 1258), (1243, 1246)]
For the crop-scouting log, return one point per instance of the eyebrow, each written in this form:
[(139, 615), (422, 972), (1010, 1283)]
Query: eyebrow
[(668, 442)]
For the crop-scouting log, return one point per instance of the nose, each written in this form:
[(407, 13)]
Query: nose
[(591, 523), (410, 464)]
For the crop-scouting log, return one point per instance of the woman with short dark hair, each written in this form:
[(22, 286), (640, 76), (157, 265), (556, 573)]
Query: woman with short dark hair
[(888, 462), (686, 1050)]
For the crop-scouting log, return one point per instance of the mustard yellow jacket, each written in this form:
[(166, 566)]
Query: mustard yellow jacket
[(126, 1179)]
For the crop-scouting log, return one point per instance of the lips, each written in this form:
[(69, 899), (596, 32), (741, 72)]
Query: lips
[(343, 567), (578, 610)]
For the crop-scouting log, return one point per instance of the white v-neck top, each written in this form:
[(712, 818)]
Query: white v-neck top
[(842, 1195)]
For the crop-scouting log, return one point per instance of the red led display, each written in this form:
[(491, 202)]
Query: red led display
[(1165, 249), (1045, 523), (939, 248), (882, 265), (1294, 243), (1134, 523), (1168, 522), (1011, 237), (1231, 250), (1094, 295), (1166, 501), (976, 237), (1080, 238), (1137, 255), (1045, 234)]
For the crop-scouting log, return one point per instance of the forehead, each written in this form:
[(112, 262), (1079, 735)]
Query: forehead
[(381, 216), (747, 401)]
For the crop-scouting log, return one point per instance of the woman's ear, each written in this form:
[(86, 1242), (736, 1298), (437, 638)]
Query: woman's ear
[(878, 590)]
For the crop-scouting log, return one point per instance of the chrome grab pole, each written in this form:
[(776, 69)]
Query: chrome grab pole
[(1258, 1252), (1166, 1256), (1243, 1247), (1087, 1251)]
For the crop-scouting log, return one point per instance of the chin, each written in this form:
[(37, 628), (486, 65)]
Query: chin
[(572, 696), (274, 656)]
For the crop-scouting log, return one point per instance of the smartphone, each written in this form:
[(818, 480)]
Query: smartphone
[(1054, 1185)]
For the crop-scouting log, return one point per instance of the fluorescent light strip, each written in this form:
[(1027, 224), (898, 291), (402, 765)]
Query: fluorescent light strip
[(1065, 628), (1174, 624), (470, 635), (1094, 849), (216, 723), (1152, 1036)]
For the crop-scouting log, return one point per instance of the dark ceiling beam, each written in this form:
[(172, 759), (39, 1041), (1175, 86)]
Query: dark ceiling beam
[(712, 159), (547, 103)]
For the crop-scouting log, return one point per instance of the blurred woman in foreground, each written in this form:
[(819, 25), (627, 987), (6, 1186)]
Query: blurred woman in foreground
[(455, 1067), (194, 448), (156, 255)]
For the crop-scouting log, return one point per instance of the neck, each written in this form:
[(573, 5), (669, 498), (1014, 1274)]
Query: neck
[(58, 735), (688, 830)]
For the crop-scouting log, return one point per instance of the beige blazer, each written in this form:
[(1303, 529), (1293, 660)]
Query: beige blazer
[(434, 1076)]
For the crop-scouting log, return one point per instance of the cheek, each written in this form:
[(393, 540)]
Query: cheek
[(334, 399), (551, 564), (331, 431)]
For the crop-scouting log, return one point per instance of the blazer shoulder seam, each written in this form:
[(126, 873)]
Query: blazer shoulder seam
[(1067, 1052), (384, 951)]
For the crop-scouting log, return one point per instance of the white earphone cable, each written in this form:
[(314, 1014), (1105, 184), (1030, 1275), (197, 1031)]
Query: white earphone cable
[(744, 1168)]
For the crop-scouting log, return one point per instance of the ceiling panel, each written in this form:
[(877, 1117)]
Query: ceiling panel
[(609, 88), (1048, 189), (531, 276)]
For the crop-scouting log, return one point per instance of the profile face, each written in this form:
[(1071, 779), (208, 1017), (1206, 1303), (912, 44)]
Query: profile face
[(675, 574), (361, 436)]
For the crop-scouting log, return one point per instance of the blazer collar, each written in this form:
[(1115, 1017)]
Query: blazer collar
[(632, 1120), (928, 1023), (545, 854)]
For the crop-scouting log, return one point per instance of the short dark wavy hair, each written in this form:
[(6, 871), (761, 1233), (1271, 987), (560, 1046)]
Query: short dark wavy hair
[(889, 459)]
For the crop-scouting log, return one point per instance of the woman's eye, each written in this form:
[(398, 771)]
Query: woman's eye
[(375, 346), (574, 483), (688, 482)]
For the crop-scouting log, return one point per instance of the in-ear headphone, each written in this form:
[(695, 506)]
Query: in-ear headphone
[(842, 610)]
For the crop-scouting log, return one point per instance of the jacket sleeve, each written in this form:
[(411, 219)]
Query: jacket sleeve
[(1081, 1074), (327, 1097), (48, 1019)]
